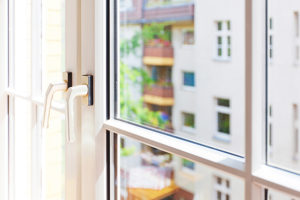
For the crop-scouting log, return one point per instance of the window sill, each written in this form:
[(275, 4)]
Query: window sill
[(222, 137), (188, 129), (189, 88), (216, 59)]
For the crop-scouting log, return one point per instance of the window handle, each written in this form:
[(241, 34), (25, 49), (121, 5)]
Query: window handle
[(52, 89), (86, 91)]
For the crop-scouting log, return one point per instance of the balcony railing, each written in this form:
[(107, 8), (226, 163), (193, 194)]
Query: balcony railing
[(159, 91), (159, 51), (158, 56)]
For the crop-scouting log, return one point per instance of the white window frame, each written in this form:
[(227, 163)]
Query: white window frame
[(252, 168), (271, 35), (186, 169), (297, 37), (186, 87), (296, 133), (78, 184), (221, 187), (223, 110), (223, 34), (3, 100), (186, 128), (183, 32), (270, 130)]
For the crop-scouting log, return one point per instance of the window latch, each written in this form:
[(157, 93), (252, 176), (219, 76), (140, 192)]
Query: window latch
[(86, 91), (52, 89)]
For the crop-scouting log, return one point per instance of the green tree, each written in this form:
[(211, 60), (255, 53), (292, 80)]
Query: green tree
[(134, 110)]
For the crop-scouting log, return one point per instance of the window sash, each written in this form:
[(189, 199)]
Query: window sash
[(252, 166)]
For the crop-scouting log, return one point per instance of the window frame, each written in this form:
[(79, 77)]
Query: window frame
[(34, 97), (224, 34), (252, 169), (188, 87), (4, 100), (221, 109)]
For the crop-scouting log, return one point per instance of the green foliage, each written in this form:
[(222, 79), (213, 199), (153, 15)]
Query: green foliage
[(134, 110), (128, 151), (156, 31), (129, 46)]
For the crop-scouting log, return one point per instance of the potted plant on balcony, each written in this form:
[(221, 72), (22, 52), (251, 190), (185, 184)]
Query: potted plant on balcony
[(157, 35)]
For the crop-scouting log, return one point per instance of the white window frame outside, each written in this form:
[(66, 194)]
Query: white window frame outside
[(224, 34), (270, 130), (184, 30), (222, 188), (186, 128), (271, 35), (223, 110), (186, 87), (296, 132), (188, 170)]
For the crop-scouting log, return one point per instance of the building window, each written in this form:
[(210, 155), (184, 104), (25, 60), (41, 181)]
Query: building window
[(187, 165), (223, 40), (189, 79), (188, 37), (296, 131), (271, 39), (188, 121), (297, 38), (221, 189), (270, 130), (223, 118), (154, 74)]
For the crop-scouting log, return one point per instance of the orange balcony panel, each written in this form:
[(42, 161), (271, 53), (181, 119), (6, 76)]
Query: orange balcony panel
[(159, 56), (157, 100), (159, 95), (158, 61), (153, 51)]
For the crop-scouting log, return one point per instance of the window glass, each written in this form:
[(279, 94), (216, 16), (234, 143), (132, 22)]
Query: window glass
[(53, 41), (54, 157), (188, 37), (21, 47), (283, 85), (169, 176), (154, 68), (277, 195), (188, 120), (21, 154), (189, 79)]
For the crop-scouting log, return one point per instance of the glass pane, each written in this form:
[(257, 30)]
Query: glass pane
[(276, 195), (283, 85), (22, 152), (160, 76), (21, 47), (145, 172), (54, 157), (53, 40)]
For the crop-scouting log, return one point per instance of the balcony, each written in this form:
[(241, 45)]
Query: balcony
[(159, 95), (158, 56), (183, 12), (157, 11)]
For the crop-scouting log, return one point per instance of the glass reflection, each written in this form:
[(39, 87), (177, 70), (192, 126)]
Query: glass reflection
[(149, 173), (181, 69)]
